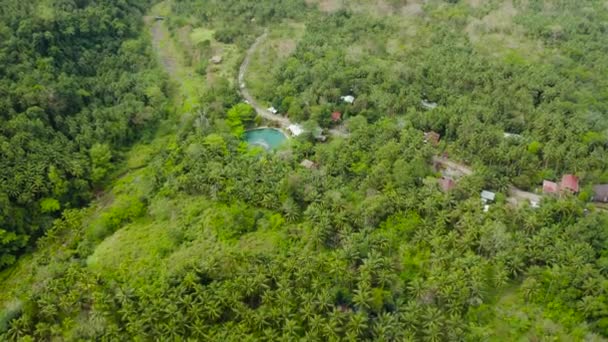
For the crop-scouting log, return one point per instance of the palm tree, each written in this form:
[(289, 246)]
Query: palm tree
[(333, 327), (290, 329), (361, 297), (357, 324), (324, 302), (385, 326), (417, 288)]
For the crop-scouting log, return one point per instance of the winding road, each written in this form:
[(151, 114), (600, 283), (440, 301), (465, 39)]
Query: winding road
[(265, 113), (169, 62), (339, 131)]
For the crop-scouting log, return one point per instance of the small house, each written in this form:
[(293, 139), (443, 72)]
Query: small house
[(550, 187), (570, 183), (348, 99), (432, 137), (309, 164), (273, 110), (336, 116), (487, 197), (216, 59), (600, 193), (295, 129), (446, 184)]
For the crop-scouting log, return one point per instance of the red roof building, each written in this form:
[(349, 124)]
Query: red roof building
[(446, 184), (336, 116), (569, 182), (550, 187)]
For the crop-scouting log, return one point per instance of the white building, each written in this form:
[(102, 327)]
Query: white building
[(273, 110), (348, 98), (487, 197), (295, 129)]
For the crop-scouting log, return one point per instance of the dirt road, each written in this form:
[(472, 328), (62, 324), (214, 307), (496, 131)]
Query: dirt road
[(455, 169), (263, 112), (159, 37)]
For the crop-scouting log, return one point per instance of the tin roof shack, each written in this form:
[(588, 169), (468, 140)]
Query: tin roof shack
[(432, 137), (569, 183), (550, 187), (487, 197), (309, 164), (348, 99), (600, 193), (295, 129), (336, 116)]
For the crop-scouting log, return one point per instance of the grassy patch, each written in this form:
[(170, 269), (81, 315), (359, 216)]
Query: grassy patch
[(200, 34), (140, 247)]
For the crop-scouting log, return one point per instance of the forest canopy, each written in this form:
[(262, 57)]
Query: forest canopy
[(77, 84), (413, 207)]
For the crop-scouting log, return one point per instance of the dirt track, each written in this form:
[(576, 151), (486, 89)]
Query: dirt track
[(263, 112)]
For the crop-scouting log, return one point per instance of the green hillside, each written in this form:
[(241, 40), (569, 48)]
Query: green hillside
[(133, 208)]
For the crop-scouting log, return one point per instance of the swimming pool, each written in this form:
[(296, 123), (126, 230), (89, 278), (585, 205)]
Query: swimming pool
[(267, 138)]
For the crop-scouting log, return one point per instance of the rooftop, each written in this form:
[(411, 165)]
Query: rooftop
[(569, 182), (309, 164), (336, 116), (550, 187), (600, 193), (488, 196), (348, 98), (295, 129)]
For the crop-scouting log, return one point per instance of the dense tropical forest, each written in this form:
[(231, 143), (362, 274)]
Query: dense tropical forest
[(133, 208)]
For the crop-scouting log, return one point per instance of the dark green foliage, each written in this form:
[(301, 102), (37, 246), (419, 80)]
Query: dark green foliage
[(364, 246), (75, 86)]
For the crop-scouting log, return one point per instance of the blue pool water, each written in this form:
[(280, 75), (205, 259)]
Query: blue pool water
[(268, 138)]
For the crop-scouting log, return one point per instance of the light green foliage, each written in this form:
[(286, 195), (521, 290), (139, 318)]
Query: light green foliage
[(100, 155), (85, 89), (239, 117), (534, 147), (49, 205), (196, 237)]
